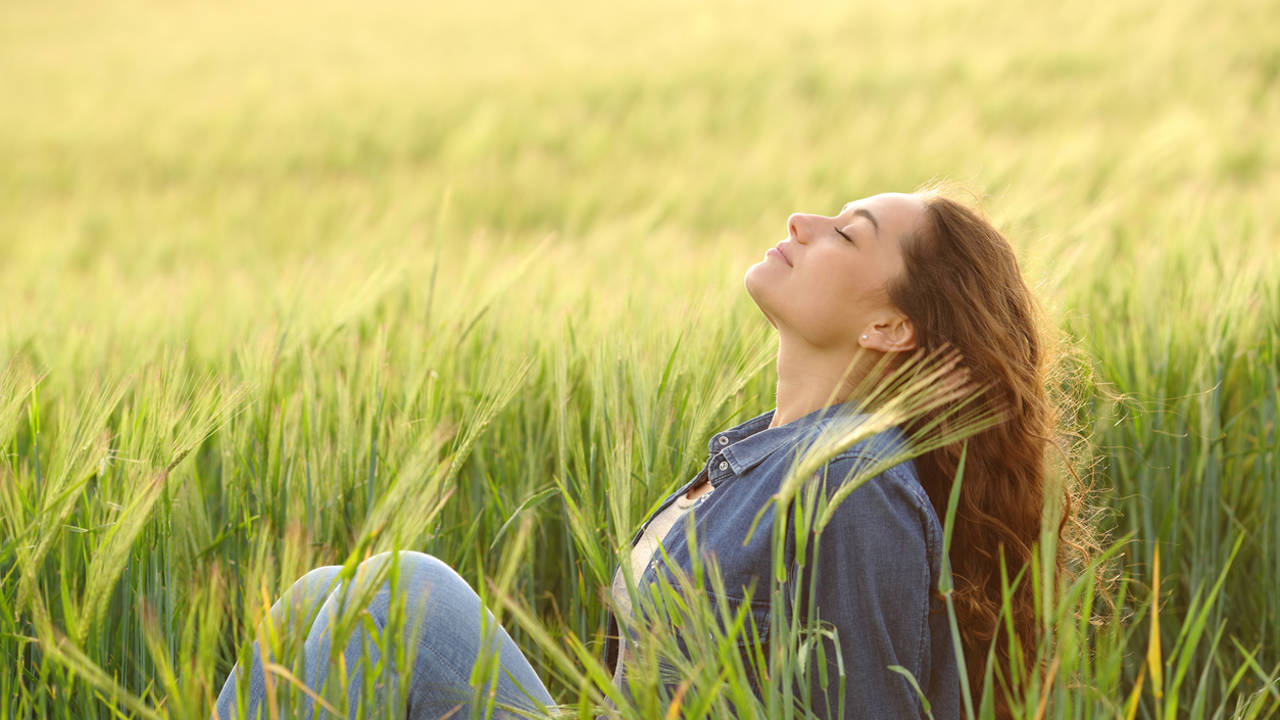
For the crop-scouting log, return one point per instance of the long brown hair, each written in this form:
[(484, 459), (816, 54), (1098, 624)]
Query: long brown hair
[(962, 287)]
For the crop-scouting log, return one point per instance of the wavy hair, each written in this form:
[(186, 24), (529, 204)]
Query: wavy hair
[(962, 287)]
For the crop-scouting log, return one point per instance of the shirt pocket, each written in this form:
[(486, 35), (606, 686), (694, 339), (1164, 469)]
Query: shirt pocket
[(747, 628), (755, 619), (752, 639)]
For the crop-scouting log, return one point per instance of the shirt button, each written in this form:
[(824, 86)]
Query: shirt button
[(723, 440), (723, 465)]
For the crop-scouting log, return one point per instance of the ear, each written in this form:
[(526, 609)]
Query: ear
[(894, 333)]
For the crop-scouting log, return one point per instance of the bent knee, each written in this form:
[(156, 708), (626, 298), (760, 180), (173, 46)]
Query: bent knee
[(413, 563), (310, 590), (420, 572)]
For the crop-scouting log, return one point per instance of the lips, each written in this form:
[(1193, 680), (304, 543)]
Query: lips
[(784, 255)]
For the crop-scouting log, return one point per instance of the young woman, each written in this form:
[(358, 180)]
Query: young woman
[(886, 277)]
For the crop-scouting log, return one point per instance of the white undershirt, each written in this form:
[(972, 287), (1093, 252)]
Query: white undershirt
[(641, 554)]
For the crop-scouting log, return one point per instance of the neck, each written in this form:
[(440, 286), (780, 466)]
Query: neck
[(810, 379)]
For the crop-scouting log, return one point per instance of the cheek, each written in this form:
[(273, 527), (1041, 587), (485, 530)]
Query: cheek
[(857, 285), (813, 306), (836, 299), (834, 286)]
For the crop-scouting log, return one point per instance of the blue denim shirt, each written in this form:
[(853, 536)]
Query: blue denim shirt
[(876, 566)]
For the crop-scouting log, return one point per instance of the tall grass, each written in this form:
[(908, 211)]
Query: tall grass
[(290, 285)]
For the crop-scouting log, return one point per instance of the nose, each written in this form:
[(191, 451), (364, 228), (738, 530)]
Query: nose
[(795, 227)]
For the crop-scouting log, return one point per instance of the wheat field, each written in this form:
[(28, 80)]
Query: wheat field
[(289, 283)]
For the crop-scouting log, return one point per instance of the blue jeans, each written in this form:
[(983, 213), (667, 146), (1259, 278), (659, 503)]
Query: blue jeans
[(441, 638)]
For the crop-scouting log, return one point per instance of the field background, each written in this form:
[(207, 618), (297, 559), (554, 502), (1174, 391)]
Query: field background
[(284, 281)]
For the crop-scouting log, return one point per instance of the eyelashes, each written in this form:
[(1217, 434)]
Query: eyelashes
[(841, 233)]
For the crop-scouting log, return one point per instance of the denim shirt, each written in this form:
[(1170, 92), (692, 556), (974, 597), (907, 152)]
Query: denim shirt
[(876, 565)]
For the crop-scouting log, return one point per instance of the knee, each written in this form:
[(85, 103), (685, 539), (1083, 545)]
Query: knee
[(319, 575), (420, 572), (410, 563), (316, 581), (307, 592)]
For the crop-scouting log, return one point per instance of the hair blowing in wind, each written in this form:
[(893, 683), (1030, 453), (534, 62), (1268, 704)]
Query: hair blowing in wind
[(962, 289)]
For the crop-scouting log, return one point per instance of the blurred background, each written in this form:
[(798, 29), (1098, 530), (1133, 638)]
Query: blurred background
[(251, 242)]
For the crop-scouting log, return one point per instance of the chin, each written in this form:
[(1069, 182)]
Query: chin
[(752, 281), (757, 287)]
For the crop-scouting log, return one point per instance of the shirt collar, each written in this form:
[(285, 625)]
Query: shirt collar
[(748, 444)]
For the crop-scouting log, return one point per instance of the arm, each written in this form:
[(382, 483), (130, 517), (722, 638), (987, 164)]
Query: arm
[(870, 577)]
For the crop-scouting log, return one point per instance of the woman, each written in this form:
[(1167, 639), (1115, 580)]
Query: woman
[(887, 278)]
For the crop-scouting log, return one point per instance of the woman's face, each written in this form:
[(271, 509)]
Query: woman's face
[(830, 290)]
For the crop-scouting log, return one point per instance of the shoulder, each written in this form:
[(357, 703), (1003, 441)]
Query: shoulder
[(896, 479), (879, 493), (859, 453)]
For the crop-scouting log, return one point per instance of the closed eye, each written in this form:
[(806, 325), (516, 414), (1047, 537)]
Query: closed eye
[(841, 233)]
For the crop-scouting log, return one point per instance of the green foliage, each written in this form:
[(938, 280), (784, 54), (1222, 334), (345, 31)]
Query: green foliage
[(292, 284)]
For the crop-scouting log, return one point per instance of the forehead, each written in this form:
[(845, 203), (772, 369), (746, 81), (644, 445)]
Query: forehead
[(896, 214)]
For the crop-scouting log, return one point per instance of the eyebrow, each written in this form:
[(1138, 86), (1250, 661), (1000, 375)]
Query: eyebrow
[(866, 214)]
